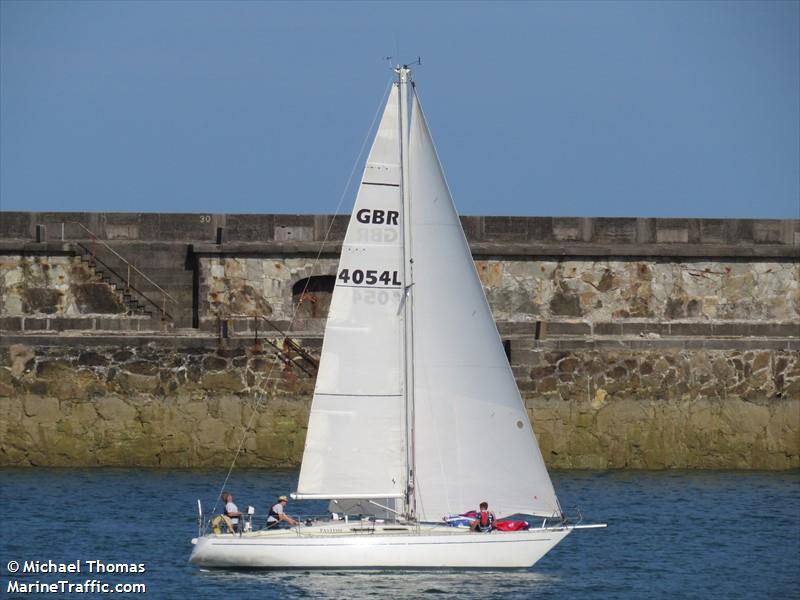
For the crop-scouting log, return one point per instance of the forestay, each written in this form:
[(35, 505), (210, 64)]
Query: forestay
[(472, 437), (355, 442)]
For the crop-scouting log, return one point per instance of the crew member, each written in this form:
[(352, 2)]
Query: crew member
[(485, 521), (231, 510), (277, 515)]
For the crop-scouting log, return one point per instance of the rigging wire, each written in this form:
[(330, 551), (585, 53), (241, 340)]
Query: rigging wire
[(262, 395)]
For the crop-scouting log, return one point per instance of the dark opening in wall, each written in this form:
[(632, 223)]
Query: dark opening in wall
[(507, 348), (312, 296)]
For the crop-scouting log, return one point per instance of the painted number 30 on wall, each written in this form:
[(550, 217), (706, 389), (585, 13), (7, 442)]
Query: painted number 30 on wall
[(371, 277)]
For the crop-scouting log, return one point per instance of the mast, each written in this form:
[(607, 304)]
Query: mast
[(404, 75)]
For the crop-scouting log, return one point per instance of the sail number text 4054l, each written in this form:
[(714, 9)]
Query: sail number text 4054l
[(369, 277)]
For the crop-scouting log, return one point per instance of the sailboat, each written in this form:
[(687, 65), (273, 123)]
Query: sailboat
[(416, 414)]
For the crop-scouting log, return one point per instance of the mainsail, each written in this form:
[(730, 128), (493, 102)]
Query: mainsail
[(472, 437), (355, 445)]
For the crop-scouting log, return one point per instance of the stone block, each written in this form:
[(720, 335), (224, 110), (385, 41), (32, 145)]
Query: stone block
[(689, 329), (6, 383), (142, 367), (186, 227), (71, 324), (287, 228), (745, 344), (97, 298), (16, 225), (614, 231), (127, 226), (739, 231), (473, 227), (712, 231), (214, 363), (92, 359), (148, 226), (643, 329), (34, 324), (42, 300), (566, 304), (516, 327), (568, 328), (672, 231), (505, 228), (567, 229), (226, 381), (120, 218), (46, 410), (287, 233), (587, 229), (250, 228), (607, 328), (10, 323), (335, 226), (731, 329), (107, 324), (540, 229), (288, 220), (694, 229), (774, 329), (22, 359), (767, 231), (645, 231)]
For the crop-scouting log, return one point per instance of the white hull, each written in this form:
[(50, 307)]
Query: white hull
[(427, 548)]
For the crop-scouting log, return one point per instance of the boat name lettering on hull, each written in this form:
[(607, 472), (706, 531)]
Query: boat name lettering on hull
[(369, 277)]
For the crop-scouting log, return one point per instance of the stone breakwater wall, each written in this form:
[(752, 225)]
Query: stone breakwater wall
[(663, 404), (105, 401), (137, 402), (73, 271), (139, 339), (556, 289)]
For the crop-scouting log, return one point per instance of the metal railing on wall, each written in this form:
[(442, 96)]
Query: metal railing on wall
[(308, 364), (130, 268)]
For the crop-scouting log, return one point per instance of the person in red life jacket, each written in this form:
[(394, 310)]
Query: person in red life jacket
[(485, 521)]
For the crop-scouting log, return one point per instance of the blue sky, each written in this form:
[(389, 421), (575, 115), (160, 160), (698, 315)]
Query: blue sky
[(654, 109)]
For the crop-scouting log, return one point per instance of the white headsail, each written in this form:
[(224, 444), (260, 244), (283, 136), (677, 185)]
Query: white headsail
[(472, 437), (355, 445)]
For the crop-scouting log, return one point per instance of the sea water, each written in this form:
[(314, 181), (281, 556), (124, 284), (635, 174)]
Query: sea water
[(671, 534)]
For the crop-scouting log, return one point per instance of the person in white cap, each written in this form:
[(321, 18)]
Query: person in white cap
[(278, 516)]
